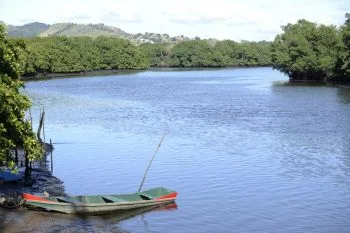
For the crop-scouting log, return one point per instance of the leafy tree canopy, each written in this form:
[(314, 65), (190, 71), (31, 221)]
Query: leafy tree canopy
[(15, 132), (343, 65), (307, 51)]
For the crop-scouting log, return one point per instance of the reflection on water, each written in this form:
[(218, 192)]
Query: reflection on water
[(243, 153), (38, 221), (344, 94)]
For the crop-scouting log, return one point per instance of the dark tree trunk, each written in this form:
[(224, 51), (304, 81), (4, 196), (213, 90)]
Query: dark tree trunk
[(16, 156), (28, 172)]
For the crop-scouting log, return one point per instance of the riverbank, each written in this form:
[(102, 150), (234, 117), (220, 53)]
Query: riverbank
[(41, 178), (43, 181)]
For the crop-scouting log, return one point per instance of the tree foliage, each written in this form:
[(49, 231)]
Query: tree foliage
[(343, 64), (15, 132), (79, 54), (157, 54), (197, 53), (244, 53), (204, 53), (307, 51)]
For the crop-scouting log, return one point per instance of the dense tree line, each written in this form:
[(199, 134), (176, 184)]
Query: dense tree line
[(308, 51), (204, 53), (15, 132), (80, 54)]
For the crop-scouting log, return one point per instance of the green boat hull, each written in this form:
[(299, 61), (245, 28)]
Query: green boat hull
[(100, 204)]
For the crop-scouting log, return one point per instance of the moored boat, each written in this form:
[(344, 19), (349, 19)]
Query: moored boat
[(6, 175), (98, 204)]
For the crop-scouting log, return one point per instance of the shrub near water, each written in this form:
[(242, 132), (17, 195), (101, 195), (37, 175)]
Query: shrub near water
[(343, 63), (308, 51)]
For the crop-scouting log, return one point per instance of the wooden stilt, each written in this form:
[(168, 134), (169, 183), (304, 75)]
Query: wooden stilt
[(51, 156)]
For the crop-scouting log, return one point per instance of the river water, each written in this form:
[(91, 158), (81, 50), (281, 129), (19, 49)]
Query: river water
[(245, 153)]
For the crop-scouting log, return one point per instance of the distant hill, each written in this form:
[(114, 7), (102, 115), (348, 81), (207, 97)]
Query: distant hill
[(65, 29), (89, 30), (27, 30)]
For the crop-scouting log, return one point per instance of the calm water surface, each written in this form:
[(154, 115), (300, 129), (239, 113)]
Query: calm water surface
[(244, 154)]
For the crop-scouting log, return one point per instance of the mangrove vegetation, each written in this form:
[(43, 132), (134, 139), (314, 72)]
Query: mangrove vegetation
[(311, 52), (83, 54), (15, 131), (80, 54)]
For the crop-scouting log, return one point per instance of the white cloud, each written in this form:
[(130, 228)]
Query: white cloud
[(231, 19)]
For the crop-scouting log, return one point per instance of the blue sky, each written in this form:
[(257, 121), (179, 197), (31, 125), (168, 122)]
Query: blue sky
[(222, 19)]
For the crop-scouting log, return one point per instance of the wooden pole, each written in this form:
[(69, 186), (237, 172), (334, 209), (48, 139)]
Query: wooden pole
[(28, 173), (51, 156), (149, 165), (44, 125), (42, 115)]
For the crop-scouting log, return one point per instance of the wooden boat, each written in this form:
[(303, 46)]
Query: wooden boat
[(99, 204)]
